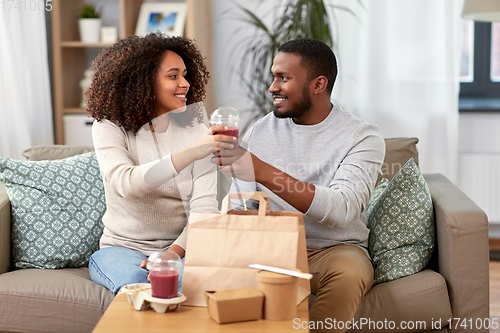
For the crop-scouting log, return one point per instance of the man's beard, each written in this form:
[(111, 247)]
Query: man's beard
[(297, 109)]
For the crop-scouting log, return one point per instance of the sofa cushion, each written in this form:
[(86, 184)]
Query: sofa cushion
[(56, 210), (402, 230), (54, 152), (397, 152), (415, 299), (41, 295)]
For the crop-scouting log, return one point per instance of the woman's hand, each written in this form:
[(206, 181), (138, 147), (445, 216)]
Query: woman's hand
[(210, 142), (175, 248), (143, 264), (205, 145)]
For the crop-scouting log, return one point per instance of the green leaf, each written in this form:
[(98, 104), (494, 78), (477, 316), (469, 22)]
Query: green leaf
[(89, 11), (253, 19)]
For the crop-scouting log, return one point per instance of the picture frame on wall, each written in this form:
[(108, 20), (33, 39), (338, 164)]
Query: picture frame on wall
[(169, 18)]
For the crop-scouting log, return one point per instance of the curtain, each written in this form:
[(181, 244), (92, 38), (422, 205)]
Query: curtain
[(399, 69), (25, 100)]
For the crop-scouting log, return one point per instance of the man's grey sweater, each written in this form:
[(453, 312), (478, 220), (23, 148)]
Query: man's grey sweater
[(342, 156)]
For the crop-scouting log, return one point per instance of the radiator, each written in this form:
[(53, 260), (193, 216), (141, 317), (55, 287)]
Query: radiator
[(479, 178)]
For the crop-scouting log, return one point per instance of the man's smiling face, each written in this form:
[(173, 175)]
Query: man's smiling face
[(290, 88)]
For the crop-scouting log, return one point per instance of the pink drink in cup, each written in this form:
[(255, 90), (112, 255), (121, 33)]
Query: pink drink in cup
[(231, 131), (226, 116), (164, 275), (164, 283), (230, 117)]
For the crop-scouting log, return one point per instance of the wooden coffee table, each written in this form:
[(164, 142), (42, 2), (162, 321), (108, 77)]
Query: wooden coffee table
[(121, 317)]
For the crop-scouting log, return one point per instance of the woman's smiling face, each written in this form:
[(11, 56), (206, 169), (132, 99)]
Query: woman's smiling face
[(171, 84)]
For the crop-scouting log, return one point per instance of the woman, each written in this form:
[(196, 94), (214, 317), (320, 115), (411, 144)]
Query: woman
[(151, 146)]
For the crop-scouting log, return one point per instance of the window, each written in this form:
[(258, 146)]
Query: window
[(495, 52), (480, 68), (467, 65)]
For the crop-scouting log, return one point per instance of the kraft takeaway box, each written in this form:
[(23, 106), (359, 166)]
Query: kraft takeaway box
[(234, 305)]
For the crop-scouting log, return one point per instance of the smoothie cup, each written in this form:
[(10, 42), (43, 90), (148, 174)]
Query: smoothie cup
[(230, 117), (226, 116), (164, 275)]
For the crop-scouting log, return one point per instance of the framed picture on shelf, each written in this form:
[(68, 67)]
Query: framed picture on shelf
[(169, 18)]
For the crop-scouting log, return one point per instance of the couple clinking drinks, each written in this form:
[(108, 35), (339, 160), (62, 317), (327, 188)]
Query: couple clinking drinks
[(332, 160)]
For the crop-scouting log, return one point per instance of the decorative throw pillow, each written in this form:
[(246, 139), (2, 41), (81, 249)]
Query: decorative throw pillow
[(56, 210), (377, 192), (402, 230)]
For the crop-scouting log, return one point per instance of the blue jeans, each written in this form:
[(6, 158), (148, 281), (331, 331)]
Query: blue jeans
[(115, 267)]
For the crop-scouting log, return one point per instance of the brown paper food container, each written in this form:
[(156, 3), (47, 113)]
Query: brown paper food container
[(280, 292), (233, 305)]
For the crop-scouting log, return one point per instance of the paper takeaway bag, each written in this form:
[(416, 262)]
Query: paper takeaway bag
[(220, 248)]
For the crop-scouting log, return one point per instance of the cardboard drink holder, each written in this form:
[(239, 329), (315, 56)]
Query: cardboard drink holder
[(141, 298)]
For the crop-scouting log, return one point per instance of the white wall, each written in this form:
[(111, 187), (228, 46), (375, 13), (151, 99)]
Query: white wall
[(479, 134), (228, 33)]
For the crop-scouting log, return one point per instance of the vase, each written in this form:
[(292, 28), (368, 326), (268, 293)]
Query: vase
[(84, 85), (90, 29)]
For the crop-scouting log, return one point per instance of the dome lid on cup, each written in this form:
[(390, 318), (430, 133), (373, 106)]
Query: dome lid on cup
[(225, 116), (164, 260)]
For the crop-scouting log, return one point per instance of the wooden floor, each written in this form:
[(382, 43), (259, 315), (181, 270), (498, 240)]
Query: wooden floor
[(495, 285)]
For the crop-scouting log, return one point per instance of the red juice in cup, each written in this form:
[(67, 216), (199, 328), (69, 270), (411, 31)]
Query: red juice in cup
[(164, 283), (231, 131), (164, 273), (226, 116)]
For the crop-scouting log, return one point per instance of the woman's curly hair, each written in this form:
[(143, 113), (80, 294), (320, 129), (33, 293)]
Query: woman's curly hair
[(124, 84)]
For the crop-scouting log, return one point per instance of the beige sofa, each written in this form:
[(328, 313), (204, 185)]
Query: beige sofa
[(454, 285)]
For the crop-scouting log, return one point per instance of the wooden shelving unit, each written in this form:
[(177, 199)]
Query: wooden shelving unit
[(70, 54)]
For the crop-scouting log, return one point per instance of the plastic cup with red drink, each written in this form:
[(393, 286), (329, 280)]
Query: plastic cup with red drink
[(164, 275), (228, 117)]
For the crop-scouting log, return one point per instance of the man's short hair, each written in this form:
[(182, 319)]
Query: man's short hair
[(317, 57)]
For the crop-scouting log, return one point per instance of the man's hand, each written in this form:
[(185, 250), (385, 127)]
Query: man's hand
[(241, 164), (238, 163)]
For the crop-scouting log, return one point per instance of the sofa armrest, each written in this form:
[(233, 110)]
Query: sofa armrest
[(463, 249), (4, 230)]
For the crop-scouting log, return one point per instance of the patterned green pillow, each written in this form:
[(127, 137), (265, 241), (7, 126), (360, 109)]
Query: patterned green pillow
[(402, 230), (377, 192), (56, 210)]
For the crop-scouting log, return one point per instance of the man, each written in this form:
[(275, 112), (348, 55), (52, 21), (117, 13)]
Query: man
[(313, 157)]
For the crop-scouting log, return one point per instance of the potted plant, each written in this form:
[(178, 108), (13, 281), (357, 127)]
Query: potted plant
[(89, 23), (295, 19)]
